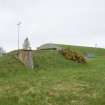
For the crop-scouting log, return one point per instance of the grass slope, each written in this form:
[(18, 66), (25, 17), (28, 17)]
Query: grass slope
[(54, 81)]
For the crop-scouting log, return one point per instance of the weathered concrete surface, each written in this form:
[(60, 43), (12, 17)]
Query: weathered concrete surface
[(50, 46), (25, 56)]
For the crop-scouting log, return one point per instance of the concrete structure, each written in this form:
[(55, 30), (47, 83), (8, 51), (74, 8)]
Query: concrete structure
[(25, 56), (50, 46), (89, 55), (2, 51)]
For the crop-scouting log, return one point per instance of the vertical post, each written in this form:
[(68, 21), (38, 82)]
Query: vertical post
[(18, 30)]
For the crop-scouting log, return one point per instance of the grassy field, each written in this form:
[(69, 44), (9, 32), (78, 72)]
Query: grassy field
[(54, 81)]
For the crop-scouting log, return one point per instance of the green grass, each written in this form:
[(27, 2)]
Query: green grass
[(54, 81)]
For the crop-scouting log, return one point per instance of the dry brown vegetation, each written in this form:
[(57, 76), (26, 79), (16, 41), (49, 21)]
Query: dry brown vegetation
[(73, 55)]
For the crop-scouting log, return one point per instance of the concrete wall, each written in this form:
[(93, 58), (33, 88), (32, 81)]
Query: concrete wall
[(25, 56), (50, 46)]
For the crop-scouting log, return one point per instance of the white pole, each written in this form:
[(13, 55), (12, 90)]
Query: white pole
[(18, 30)]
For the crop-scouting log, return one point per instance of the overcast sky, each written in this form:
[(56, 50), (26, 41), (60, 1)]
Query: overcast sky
[(77, 22)]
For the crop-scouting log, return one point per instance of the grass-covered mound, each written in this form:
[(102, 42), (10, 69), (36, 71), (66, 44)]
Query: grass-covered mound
[(54, 81)]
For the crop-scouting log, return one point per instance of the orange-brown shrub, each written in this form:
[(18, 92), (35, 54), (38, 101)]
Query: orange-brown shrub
[(72, 55)]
